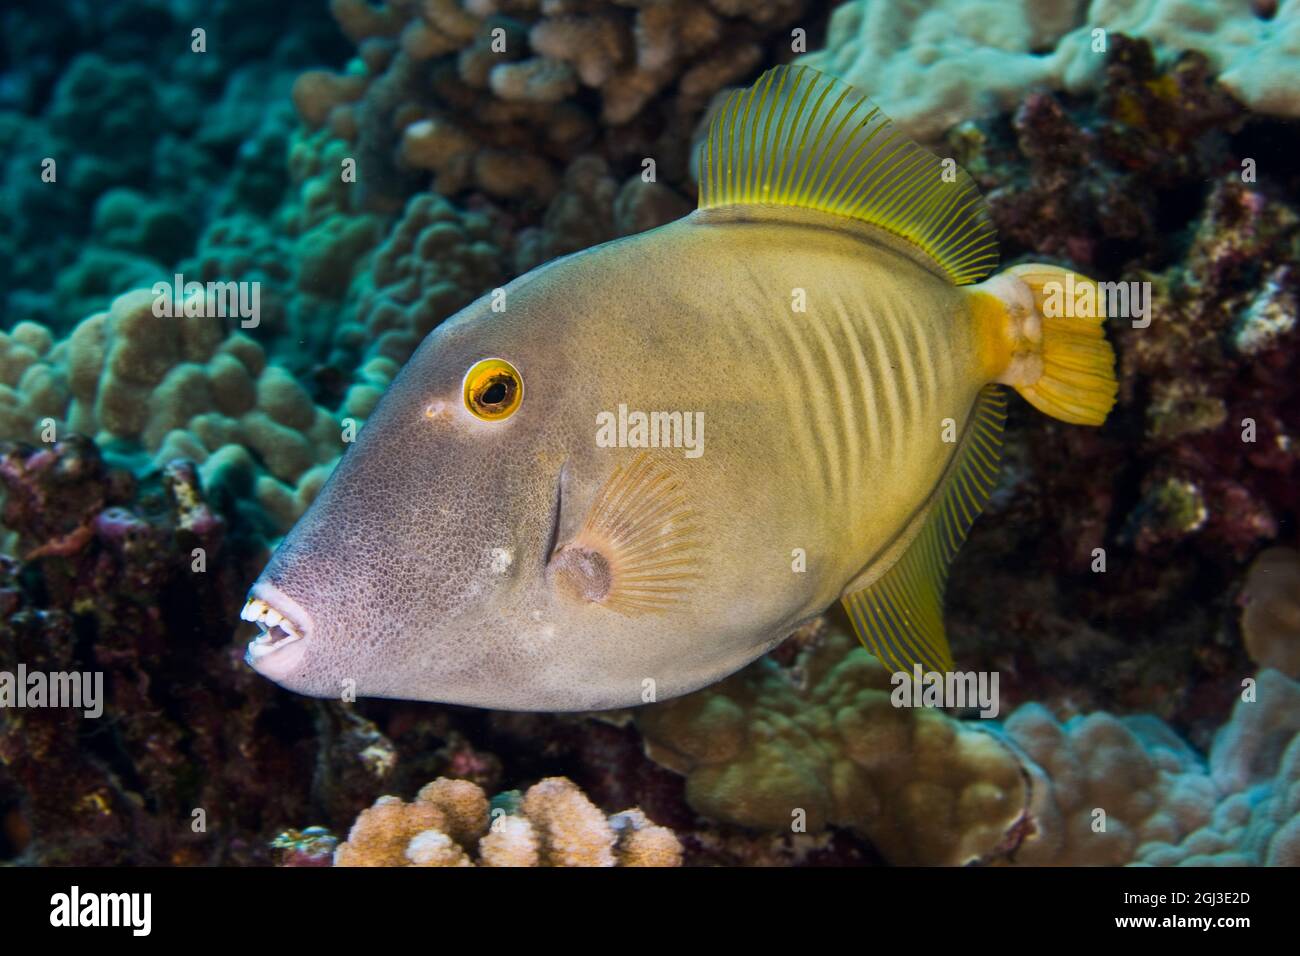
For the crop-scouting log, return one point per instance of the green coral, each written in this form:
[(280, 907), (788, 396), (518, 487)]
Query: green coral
[(173, 387), (821, 744)]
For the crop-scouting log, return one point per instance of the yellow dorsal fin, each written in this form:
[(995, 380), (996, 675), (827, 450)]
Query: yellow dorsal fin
[(800, 138), (899, 616)]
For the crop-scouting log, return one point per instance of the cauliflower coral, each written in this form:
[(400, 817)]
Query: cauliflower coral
[(452, 823)]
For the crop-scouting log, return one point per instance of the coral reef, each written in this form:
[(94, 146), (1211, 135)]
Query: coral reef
[(436, 260), (1161, 182), (932, 65), (373, 171), (1128, 790), (174, 387), (819, 743), (491, 95), (822, 744), (120, 589), (313, 846), (451, 823), (194, 758), (79, 89)]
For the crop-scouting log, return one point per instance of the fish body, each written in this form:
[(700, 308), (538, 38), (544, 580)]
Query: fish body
[(825, 416), (841, 398)]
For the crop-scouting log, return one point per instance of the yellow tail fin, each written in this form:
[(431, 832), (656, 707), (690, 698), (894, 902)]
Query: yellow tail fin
[(1041, 333)]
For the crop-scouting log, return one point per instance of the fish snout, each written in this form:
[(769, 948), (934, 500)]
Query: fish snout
[(284, 629)]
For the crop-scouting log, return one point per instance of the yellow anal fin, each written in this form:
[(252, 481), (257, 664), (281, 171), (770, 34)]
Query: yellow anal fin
[(800, 138), (899, 616), (638, 549)]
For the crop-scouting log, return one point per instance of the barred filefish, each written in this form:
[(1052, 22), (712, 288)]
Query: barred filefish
[(639, 467)]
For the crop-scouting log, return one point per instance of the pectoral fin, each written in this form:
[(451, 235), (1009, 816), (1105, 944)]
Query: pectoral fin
[(638, 549), (899, 616)]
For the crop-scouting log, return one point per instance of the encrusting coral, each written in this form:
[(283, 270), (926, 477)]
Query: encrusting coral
[(1254, 774), (821, 744), (452, 823), (138, 579), (1128, 790), (931, 65)]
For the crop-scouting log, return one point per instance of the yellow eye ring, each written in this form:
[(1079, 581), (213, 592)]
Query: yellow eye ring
[(493, 389)]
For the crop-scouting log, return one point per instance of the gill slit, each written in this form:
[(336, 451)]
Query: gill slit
[(552, 539)]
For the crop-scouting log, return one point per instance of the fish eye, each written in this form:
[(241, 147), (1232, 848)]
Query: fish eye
[(493, 389)]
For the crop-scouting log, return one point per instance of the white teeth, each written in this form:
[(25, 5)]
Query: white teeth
[(255, 610), (277, 631), (258, 648)]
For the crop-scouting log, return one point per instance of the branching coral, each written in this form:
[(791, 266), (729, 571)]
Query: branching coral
[(488, 95), (553, 824)]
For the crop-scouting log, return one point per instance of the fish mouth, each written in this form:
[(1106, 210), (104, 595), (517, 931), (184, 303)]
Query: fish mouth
[(280, 644)]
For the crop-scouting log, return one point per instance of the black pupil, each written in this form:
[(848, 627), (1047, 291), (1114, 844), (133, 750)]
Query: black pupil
[(494, 394)]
